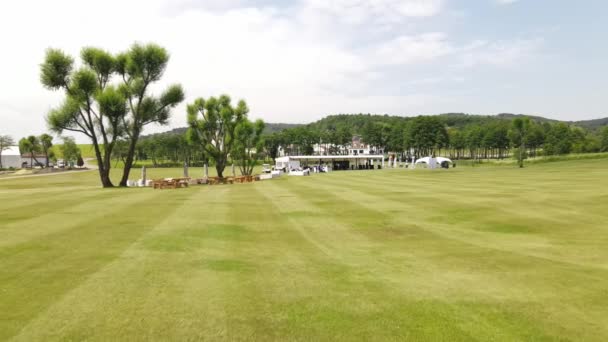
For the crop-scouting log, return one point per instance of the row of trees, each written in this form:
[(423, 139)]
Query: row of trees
[(426, 135)]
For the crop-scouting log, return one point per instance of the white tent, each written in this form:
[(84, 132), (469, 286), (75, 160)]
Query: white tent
[(11, 158), (440, 160)]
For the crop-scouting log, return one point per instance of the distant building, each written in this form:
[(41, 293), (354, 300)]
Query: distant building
[(11, 158), (28, 160), (358, 147), (335, 162), (355, 148)]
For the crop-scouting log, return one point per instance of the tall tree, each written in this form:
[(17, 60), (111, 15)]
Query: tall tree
[(535, 137), (517, 134), (272, 143), (604, 139), (70, 151), (395, 140), (46, 142), (376, 134), (139, 68), (457, 142), (32, 146), (248, 146), (559, 139), (216, 128), (426, 134), (343, 137), (474, 137), (92, 106), (6, 141)]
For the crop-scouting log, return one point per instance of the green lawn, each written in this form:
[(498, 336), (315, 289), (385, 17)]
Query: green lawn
[(86, 150), (492, 253)]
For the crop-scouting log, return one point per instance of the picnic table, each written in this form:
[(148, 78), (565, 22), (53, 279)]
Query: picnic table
[(170, 183), (229, 180)]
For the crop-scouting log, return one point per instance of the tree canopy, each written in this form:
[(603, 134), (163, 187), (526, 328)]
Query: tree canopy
[(108, 98), (213, 123)]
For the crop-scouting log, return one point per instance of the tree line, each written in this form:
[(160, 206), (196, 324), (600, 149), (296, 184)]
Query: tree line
[(519, 137), (426, 135)]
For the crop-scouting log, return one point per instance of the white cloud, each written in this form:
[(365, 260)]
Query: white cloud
[(412, 49), (501, 53), (292, 63), (506, 2), (374, 11)]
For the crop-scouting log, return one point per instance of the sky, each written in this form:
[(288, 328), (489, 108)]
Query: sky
[(298, 61)]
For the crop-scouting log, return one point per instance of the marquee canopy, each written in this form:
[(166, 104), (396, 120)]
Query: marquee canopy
[(440, 160)]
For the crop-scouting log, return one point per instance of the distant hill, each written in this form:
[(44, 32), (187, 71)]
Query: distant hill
[(593, 125), (458, 120), (277, 127), (270, 128)]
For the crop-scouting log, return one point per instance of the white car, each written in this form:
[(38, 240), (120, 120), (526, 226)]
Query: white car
[(60, 164)]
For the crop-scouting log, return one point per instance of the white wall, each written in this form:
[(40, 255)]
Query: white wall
[(41, 160), (11, 161)]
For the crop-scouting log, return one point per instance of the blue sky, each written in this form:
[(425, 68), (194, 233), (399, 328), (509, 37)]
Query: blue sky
[(297, 61)]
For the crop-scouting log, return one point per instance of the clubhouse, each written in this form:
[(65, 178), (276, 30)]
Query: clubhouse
[(335, 162)]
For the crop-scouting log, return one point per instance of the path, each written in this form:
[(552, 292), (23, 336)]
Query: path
[(89, 167)]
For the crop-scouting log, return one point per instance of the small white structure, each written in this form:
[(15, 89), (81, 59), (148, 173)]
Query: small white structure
[(433, 162), (11, 158), (305, 172), (270, 175), (287, 163)]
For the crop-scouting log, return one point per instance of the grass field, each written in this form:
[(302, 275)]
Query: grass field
[(463, 254), (86, 150)]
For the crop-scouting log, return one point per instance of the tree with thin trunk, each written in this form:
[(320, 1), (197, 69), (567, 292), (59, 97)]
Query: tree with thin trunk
[(604, 139), (249, 145), (215, 130), (517, 134), (92, 106), (272, 143), (70, 151), (46, 142), (6, 142), (30, 145), (426, 134), (140, 68)]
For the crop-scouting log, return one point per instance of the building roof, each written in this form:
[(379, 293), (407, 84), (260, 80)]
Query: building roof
[(11, 151), (351, 156)]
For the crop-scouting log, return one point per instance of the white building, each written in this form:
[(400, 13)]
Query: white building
[(337, 162), (38, 159), (358, 147), (11, 157)]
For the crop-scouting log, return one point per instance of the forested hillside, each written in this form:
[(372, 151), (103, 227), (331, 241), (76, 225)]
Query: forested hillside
[(457, 135)]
